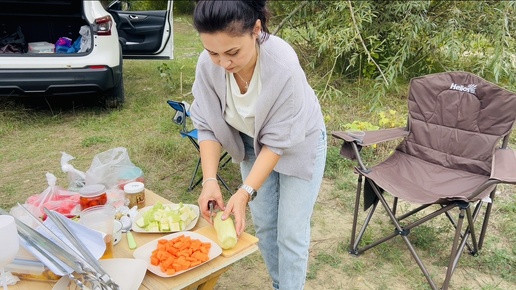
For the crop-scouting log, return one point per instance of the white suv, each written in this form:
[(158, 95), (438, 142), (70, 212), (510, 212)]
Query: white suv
[(70, 47)]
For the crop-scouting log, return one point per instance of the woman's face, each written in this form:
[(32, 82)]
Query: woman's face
[(233, 53)]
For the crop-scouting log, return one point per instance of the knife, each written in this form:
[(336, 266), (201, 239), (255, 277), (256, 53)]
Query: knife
[(81, 247), (211, 205)]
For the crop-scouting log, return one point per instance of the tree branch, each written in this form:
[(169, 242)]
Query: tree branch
[(363, 43), (301, 5)]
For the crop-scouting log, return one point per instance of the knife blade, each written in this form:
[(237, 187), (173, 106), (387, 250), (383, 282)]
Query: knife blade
[(211, 205)]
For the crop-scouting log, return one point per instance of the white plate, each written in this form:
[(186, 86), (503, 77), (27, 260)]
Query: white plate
[(118, 270), (144, 252), (188, 227)]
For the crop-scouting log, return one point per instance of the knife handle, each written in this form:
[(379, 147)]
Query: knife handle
[(130, 240)]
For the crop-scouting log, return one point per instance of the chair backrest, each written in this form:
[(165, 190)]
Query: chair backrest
[(182, 112), (456, 119)]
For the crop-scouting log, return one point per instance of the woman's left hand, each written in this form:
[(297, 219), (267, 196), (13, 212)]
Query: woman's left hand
[(237, 207)]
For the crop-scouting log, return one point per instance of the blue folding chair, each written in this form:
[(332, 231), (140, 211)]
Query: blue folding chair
[(182, 113)]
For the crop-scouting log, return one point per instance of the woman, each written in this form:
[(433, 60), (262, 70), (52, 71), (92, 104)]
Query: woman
[(252, 99)]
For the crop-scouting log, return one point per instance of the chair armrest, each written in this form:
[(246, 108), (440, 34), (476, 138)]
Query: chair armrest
[(350, 147), (374, 137), (503, 166)]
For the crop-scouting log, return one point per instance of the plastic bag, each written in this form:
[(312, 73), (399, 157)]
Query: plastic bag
[(109, 167), (76, 178), (85, 33), (55, 198), (63, 44)]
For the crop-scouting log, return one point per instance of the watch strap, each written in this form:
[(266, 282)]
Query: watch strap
[(251, 191)]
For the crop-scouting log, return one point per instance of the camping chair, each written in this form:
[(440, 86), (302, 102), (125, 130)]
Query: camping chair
[(451, 158), (182, 113)]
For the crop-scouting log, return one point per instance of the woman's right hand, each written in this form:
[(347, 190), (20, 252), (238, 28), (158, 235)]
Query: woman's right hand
[(210, 191)]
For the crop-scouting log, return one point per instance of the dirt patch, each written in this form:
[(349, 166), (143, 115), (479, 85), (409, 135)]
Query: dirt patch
[(332, 267)]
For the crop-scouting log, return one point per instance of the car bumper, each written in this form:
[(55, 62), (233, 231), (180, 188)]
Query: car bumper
[(16, 82)]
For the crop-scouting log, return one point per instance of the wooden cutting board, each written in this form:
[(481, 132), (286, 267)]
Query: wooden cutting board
[(244, 241)]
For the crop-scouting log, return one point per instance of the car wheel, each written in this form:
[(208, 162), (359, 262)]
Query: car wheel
[(115, 97)]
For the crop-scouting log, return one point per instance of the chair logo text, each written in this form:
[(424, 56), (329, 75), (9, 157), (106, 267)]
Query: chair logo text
[(472, 89)]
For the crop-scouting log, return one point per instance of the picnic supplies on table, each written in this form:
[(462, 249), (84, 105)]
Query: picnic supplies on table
[(55, 198), (57, 253), (111, 166)]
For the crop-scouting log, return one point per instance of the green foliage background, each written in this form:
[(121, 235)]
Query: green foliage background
[(389, 42), (377, 46)]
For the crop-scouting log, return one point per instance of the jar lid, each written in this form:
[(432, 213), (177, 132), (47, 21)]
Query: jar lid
[(134, 187), (92, 190)]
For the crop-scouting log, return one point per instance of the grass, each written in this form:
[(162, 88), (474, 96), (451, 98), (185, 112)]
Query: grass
[(34, 132)]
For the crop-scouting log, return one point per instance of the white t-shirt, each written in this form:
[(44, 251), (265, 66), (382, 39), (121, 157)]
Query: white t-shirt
[(240, 108)]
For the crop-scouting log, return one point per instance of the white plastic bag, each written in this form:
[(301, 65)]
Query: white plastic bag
[(85, 38), (109, 167), (76, 178)]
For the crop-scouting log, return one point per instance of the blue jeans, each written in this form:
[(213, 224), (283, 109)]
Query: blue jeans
[(281, 215)]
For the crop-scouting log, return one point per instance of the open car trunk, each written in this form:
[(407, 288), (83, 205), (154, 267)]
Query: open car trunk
[(41, 21)]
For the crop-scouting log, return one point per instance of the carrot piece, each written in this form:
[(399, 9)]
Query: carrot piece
[(172, 251), (170, 271), (191, 259), (200, 256), (196, 244), (204, 250), (164, 256), (154, 261), (168, 262), (162, 268), (176, 267), (185, 265)]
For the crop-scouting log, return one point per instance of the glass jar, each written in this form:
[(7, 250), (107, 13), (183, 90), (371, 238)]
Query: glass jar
[(135, 193), (92, 195)]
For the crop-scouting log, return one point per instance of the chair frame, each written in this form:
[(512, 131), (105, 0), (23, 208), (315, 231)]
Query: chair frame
[(182, 113), (461, 233)]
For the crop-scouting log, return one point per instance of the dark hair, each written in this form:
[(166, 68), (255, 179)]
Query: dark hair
[(233, 17)]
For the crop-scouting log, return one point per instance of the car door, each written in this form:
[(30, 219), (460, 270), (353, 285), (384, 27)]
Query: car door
[(144, 34)]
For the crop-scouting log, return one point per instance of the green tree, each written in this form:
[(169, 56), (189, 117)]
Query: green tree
[(389, 42)]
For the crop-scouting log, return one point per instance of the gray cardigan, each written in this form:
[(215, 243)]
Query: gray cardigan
[(288, 115)]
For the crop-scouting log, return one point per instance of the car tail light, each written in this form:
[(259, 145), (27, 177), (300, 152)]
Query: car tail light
[(97, 67), (103, 25)]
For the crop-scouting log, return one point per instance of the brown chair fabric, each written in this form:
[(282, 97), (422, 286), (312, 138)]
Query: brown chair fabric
[(455, 122)]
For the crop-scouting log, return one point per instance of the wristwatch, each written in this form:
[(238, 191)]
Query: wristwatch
[(252, 193)]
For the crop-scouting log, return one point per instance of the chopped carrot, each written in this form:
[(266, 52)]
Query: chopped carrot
[(154, 261), (179, 254)]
